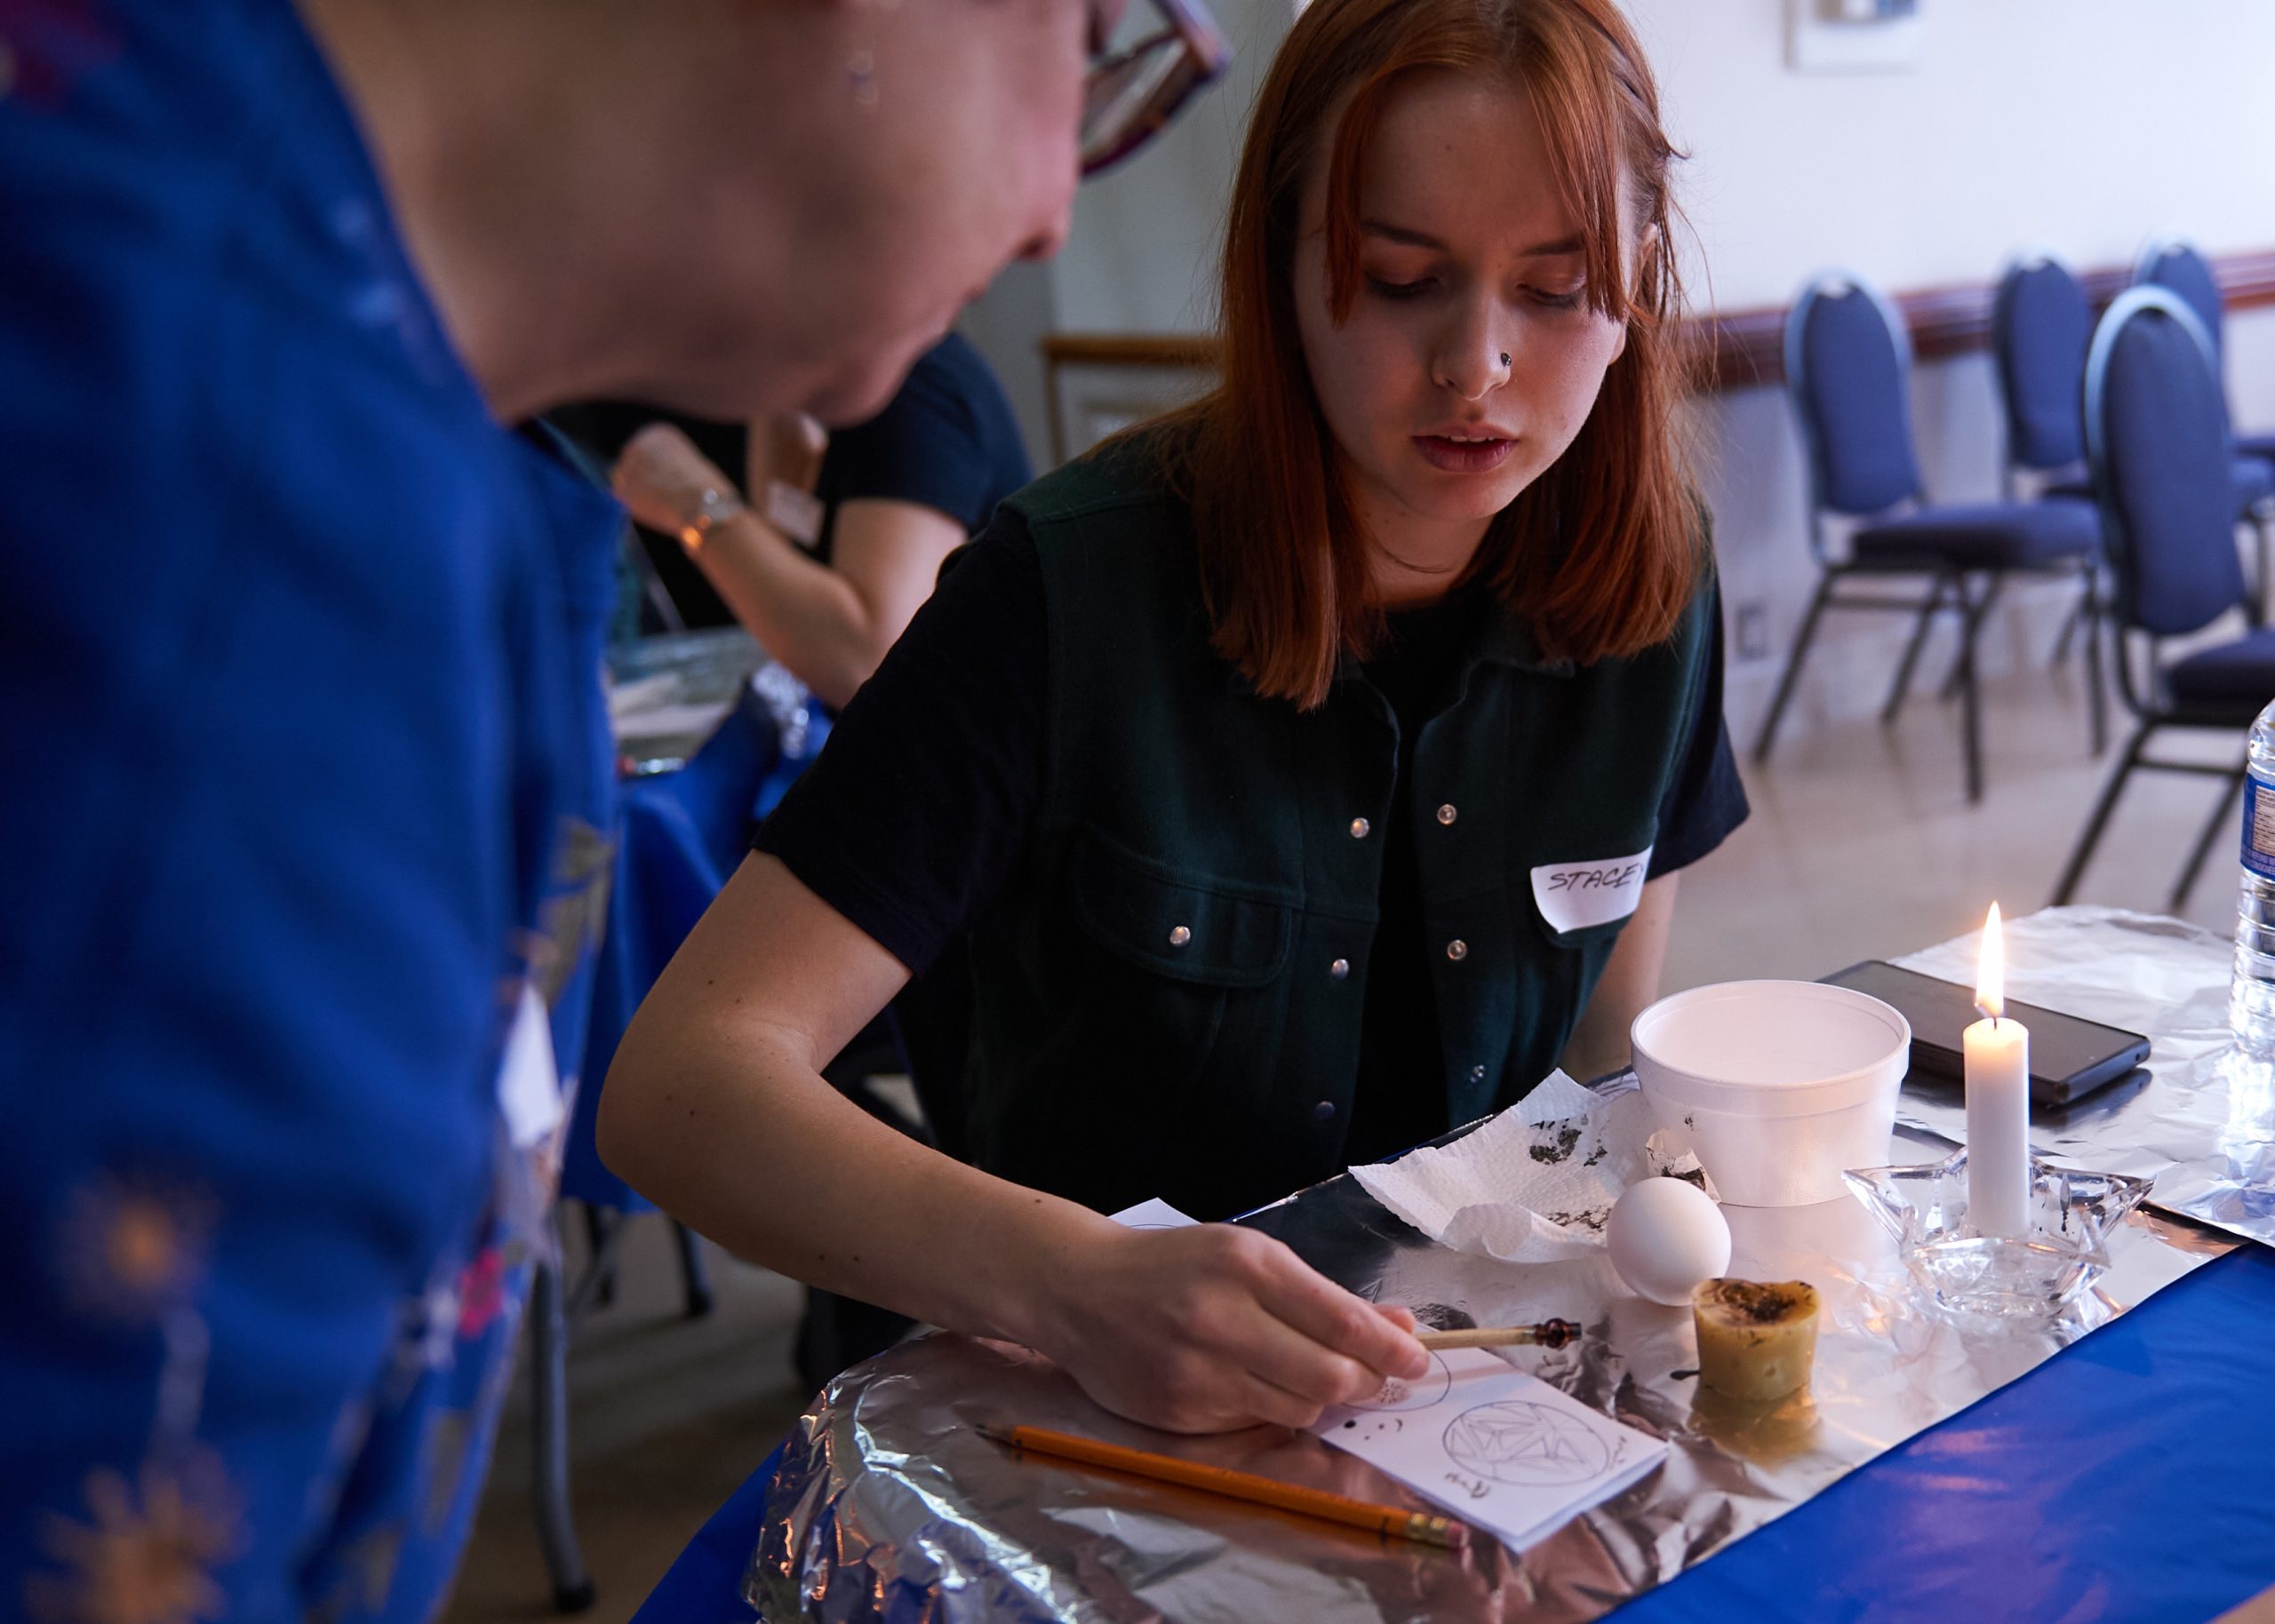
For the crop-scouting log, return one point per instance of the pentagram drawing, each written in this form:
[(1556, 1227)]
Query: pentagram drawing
[(1420, 1394), (1527, 1444)]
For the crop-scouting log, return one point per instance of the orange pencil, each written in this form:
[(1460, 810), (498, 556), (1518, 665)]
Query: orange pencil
[(1419, 1526)]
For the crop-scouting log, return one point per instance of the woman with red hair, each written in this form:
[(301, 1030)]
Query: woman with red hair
[(1304, 774)]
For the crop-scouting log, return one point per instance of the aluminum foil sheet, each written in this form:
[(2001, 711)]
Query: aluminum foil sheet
[(2207, 1138), (889, 1506)]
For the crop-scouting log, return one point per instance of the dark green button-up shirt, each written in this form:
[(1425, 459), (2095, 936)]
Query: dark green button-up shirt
[(1169, 994)]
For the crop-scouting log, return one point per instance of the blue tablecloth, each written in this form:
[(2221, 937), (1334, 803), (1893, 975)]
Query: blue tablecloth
[(681, 834), (2124, 1478)]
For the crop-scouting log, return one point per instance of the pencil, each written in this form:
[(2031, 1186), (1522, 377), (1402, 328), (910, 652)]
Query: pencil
[(1420, 1526), (1547, 1333)]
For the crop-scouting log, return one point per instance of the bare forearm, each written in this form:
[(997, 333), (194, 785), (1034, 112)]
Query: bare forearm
[(803, 613), (1600, 1043), (842, 1201), (715, 1107)]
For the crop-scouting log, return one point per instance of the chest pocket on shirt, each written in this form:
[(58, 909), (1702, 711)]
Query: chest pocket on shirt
[(1173, 927), (1182, 986)]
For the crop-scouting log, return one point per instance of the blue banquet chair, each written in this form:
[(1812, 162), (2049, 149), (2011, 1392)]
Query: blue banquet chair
[(2175, 266), (2040, 325), (2156, 438), (1848, 368)]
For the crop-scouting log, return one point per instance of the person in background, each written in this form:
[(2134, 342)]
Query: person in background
[(1312, 769), (301, 645), (824, 565), (821, 545)]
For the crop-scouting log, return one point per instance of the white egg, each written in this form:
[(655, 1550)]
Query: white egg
[(1664, 1236)]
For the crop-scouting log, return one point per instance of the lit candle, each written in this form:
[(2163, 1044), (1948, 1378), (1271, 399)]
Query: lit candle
[(1998, 1102)]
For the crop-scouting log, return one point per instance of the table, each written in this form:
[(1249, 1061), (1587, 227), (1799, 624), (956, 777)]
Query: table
[(2123, 1479), (710, 736)]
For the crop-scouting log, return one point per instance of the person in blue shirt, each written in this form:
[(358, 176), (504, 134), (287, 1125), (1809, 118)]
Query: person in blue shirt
[(308, 796)]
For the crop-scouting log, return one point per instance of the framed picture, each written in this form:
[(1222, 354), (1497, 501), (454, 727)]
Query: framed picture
[(1852, 36)]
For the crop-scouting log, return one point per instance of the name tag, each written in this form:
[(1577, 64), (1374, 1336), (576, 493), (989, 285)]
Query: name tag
[(529, 1082), (1574, 895)]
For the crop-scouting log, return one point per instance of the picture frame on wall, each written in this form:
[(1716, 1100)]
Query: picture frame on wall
[(1852, 36)]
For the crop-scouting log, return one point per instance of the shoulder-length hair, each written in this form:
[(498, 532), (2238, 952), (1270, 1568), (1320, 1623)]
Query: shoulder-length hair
[(1601, 553)]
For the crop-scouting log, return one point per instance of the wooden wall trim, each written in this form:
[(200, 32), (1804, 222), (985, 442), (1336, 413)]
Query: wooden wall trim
[(1743, 349)]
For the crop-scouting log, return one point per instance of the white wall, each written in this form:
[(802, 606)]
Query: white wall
[(2080, 125)]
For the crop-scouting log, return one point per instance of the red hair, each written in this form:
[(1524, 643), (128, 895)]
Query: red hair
[(1601, 553)]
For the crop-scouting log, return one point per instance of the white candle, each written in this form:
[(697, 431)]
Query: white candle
[(1998, 1102)]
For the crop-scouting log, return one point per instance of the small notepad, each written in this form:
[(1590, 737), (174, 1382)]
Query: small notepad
[(1154, 1215), (1496, 1447)]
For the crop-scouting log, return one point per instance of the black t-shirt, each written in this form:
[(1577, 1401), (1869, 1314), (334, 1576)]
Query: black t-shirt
[(948, 441), (912, 820)]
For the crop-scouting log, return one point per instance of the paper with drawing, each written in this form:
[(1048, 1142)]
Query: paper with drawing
[(1497, 1448)]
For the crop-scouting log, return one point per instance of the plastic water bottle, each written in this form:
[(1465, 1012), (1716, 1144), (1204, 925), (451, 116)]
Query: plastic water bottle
[(2251, 994)]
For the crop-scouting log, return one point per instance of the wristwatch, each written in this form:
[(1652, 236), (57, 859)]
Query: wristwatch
[(713, 509)]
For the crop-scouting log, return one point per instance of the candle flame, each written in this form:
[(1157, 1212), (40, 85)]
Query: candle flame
[(1990, 969)]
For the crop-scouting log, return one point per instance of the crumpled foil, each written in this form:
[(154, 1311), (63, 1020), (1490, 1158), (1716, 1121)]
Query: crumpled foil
[(890, 1506), (2206, 1137)]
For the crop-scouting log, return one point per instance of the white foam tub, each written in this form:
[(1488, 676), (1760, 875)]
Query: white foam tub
[(1779, 1086)]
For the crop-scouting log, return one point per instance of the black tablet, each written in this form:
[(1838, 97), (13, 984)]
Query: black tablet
[(2069, 1058)]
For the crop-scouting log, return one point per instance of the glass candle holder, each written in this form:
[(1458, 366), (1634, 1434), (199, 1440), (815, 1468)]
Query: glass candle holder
[(2032, 1276)]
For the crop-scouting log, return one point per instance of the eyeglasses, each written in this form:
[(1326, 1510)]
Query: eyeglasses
[(1132, 94)]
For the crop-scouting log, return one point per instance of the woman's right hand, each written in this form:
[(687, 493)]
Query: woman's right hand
[(1214, 1328), (660, 478)]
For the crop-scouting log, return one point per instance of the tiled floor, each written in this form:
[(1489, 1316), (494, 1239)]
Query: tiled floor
[(1861, 845)]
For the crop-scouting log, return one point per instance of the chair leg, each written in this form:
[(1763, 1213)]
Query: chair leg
[(2089, 837), (556, 1528), (2087, 614), (1792, 670), (2257, 602), (2070, 626), (598, 1222), (2221, 818), (1971, 690), (1900, 687), (1976, 613), (694, 1275)]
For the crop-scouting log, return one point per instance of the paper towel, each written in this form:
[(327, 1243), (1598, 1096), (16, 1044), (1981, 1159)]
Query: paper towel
[(1535, 1184)]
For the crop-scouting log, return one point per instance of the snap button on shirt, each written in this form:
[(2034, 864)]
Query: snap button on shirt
[(1324, 1111), (1179, 936), (1359, 827), (1446, 814), (1340, 968), (1456, 949)]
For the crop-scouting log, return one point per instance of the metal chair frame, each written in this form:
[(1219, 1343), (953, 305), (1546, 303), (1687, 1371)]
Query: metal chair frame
[(555, 1306), (1950, 588), (2151, 707)]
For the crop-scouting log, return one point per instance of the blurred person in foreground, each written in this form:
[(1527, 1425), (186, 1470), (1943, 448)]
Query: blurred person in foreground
[(310, 784), (1311, 768)]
